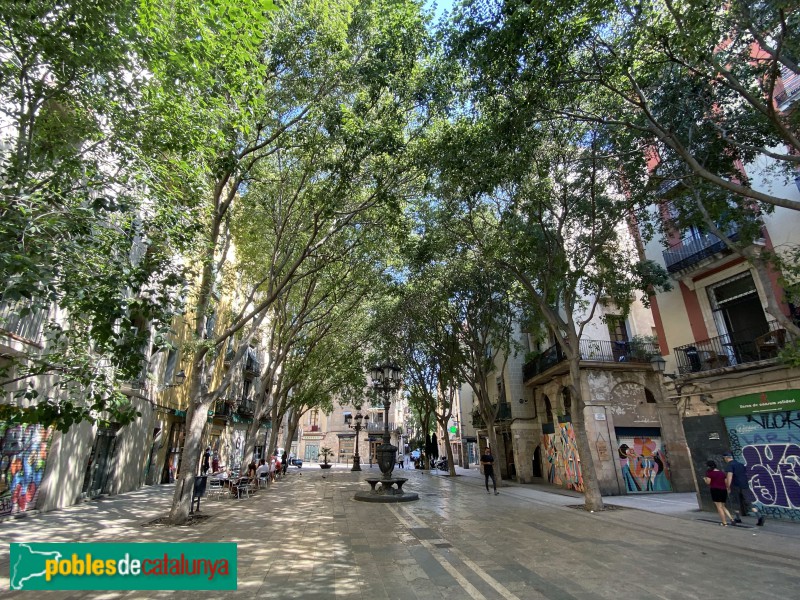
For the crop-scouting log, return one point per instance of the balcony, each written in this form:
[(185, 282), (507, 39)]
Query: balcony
[(22, 322), (311, 428), (373, 427), (791, 88), (602, 351), (741, 347), (252, 367), (503, 414), (247, 408), (549, 358), (688, 252), (222, 410)]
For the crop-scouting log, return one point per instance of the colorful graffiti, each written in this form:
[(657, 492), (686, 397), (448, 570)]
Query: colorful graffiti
[(562, 460), (23, 453), (768, 444), (643, 464)]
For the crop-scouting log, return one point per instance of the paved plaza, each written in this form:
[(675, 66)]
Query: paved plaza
[(306, 538)]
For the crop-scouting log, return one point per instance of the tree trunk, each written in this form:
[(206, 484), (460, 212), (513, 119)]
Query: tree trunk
[(451, 465), (491, 435), (250, 442), (591, 489), (291, 429), (273, 440), (196, 417)]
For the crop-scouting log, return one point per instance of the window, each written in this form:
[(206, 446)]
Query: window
[(548, 409), (648, 396), (211, 322), (737, 307), (567, 398), (617, 329), (347, 417), (501, 390), (247, 384), (313, 418), (172, 363)]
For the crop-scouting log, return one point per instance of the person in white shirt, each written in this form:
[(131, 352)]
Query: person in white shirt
[(262, 472)]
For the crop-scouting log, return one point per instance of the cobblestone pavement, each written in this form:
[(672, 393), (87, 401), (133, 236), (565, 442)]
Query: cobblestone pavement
[(306, 538)]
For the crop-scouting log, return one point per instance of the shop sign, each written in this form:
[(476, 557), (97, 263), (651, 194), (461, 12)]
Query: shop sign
[(761, 402)]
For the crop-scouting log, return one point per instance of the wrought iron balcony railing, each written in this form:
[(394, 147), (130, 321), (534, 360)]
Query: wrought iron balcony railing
[(690, 251), (252, 366), (503, 414), (247, 408), (604, 351), (541, 363), (377, 427), (18, 319), (791, 88), (223, 409), (754, 344)]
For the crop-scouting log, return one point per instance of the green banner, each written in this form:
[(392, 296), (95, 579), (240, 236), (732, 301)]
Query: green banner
[(759, 403), (115, 566)]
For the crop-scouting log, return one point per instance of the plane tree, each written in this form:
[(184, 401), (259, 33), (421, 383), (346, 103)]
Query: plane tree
[(88, 222), (701, 86), (335, 103)]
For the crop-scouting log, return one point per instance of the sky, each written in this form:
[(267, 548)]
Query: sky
[(441, 6)]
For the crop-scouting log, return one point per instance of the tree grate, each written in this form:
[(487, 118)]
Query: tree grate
[(164, 521), (606, 507)]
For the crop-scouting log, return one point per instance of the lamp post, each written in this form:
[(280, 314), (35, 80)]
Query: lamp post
[(359, 418), (386, 379)]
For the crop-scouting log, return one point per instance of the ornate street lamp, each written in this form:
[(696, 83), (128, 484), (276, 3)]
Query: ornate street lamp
[(386, 379), (359, 418)]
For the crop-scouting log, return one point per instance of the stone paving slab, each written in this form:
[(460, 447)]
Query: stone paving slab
[(306, 538)]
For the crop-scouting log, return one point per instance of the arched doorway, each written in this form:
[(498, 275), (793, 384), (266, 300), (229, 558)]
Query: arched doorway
[(537, 462)]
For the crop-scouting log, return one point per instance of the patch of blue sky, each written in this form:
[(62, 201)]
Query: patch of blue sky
[(439, 7)]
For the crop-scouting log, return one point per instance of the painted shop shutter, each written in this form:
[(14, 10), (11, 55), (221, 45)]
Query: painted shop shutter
[(23, 455), (642, 460), (768, 444)]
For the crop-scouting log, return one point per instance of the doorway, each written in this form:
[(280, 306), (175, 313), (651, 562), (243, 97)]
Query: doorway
[(101, 459), (311, 453), (739, 316), (537, 462), (174, 449)]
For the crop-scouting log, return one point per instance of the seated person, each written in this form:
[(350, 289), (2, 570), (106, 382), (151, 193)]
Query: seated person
[(251, 469), (262, 472)]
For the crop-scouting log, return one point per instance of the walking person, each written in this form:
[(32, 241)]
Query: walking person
[(206, 466), (715, 480), (487, 461), (738, 489), (284, 462)]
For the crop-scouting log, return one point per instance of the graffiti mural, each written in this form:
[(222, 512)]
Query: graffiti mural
[(562, 462), (768, 444), (643, 464), (23, 453)]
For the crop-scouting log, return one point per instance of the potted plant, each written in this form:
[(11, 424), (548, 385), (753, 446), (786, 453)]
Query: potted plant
[(325, 453)]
